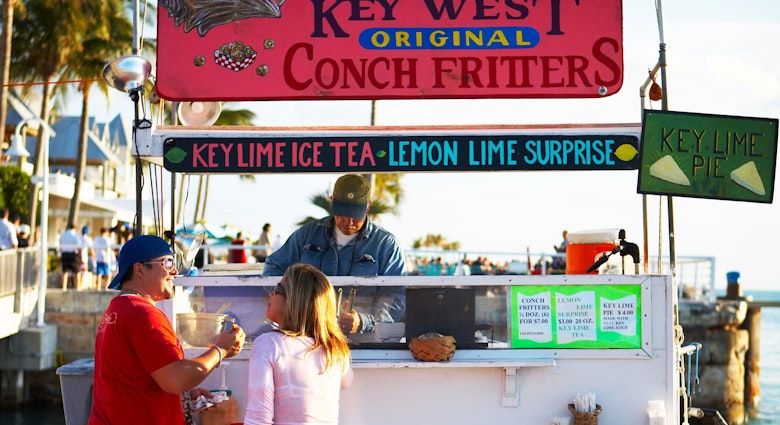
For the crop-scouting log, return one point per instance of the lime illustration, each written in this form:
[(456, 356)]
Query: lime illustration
[(176, 155)]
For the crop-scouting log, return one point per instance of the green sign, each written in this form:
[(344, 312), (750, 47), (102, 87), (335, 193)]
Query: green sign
[(577, 316), (708, 156)]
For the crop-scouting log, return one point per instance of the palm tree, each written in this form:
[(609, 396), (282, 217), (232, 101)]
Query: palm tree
[(111, 32), (46, 34), (5, 65), (435, 241)]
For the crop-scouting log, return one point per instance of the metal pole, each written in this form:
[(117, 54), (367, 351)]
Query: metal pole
[(43, 283), (43, 276), (136, 38), (645, 247), (665, 107), (137, 230)]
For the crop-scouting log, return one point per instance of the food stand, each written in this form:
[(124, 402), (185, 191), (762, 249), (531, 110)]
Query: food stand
[(552, 337), (532, 343)]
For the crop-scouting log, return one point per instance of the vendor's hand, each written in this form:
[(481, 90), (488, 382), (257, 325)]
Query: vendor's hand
[(349, 322), (197, 392), (231, 340)]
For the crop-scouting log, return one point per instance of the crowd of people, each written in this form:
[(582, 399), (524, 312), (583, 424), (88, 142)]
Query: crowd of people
[(13, 234), (85, 262)]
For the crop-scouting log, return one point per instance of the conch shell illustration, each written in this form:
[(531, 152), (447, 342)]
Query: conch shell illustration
[(207, 14)]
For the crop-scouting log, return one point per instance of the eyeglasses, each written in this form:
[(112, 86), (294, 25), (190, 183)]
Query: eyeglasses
[(167, 263), (279, 290)]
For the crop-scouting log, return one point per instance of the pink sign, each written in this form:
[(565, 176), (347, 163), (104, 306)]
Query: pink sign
[(388, 49)]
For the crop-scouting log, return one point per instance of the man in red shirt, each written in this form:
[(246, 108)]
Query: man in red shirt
[(140, 369)]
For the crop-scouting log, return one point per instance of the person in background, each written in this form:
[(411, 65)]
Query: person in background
[(104, 258), (140, 370), (277, 242), (24, 236), (87, 252), (347, 243), (560, 262), (8, 239), (16, 220), (296, 371), (265, 239), (237, 255), (70, 242)]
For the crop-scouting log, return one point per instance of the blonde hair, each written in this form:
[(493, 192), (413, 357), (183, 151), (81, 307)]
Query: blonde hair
[(312, 311)]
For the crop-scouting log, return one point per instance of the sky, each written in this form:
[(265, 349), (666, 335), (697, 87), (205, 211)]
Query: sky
[(722, 58)]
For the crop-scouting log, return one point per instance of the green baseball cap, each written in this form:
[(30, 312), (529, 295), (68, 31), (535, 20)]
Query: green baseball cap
[(351, 196)]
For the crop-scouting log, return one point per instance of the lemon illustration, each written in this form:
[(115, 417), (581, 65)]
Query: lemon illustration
[(626, 152)]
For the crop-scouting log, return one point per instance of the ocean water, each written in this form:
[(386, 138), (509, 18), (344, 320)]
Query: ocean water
[(767, 414), (769, 408)]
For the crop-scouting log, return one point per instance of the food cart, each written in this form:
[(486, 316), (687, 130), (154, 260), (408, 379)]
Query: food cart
[(526, 346), (549, 338), (531, 344)]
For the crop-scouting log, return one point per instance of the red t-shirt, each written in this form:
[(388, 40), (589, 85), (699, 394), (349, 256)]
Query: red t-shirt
[(134, 339)]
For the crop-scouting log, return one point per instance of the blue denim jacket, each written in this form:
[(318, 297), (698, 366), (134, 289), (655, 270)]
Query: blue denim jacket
[(374, 252)]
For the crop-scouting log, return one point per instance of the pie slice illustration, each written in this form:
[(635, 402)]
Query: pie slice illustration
[(747, 176), (668, 170)]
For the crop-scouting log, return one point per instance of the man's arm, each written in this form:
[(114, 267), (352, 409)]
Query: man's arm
[(393, 262), (185, 374)]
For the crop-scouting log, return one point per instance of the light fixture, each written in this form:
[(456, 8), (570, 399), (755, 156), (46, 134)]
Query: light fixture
[(17, 147), (199, 113), (127, 73)]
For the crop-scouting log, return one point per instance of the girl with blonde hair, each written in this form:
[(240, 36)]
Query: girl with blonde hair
[(295, 372)]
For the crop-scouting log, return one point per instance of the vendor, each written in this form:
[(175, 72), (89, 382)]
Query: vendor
[(347, 243)]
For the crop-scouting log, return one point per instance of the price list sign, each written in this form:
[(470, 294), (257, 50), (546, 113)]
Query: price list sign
[(576, 316)]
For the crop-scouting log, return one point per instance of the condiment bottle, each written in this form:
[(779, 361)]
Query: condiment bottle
[(225, 412)]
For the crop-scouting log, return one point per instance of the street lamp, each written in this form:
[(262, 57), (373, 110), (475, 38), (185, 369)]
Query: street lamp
[(17, 149)]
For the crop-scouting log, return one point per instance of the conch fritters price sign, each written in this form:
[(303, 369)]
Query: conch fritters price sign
[(576, 316), (385, 49)]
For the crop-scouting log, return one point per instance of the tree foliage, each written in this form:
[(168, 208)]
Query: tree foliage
[(15, 187), (435, 241)]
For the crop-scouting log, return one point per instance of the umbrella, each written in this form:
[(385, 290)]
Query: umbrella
[(212, 231)]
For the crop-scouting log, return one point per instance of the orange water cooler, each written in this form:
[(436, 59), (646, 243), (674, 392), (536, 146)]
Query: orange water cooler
[(584, 248)]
